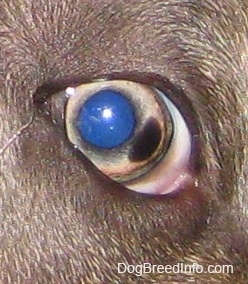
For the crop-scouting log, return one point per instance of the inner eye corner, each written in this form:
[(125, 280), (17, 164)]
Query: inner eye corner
[(39, 96)]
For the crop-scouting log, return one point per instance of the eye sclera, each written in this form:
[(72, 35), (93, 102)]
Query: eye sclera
[(171, 173), (116, 163)]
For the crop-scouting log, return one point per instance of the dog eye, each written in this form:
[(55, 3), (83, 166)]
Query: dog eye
[(131, 132)]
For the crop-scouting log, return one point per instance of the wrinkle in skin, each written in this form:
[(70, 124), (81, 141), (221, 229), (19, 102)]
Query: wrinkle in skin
[(15, 136), (64, 222)]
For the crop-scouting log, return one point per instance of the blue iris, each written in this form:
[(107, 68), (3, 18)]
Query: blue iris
[(106, 120)]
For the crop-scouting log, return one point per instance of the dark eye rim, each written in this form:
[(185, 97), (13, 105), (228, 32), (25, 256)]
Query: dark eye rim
[(173, 92)]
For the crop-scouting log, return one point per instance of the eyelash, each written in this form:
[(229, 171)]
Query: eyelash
[(57, 110)]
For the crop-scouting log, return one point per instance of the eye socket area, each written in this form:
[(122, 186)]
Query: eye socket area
[(154, 156)]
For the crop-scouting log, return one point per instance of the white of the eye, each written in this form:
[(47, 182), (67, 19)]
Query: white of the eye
[(172, 171)]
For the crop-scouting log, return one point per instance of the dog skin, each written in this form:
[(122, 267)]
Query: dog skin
[(63, 221)]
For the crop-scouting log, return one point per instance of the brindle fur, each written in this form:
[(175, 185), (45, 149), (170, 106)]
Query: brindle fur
[(64, 222)]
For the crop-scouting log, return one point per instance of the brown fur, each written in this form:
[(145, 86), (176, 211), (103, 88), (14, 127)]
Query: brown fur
[(64, 222)]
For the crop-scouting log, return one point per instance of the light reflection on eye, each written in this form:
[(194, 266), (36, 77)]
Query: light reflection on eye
[(132, 132)]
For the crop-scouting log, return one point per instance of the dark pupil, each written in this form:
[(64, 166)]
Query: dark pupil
[(106, 120)]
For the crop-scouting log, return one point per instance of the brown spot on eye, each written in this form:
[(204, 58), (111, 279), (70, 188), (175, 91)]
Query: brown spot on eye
[(146, 142)]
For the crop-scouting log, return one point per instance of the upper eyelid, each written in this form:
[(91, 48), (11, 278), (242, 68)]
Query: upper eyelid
[(154, 80), (174, 93)]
